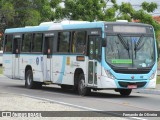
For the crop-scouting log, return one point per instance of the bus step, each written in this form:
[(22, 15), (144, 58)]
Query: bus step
[(47, 82)]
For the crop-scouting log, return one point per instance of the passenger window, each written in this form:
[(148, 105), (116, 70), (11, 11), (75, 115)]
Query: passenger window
[(8, 43), (37, 42), (26, 42), (78, 42), (63, 42)]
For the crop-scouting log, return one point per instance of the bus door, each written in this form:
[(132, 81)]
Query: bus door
[(16, 56), (93, 54), (48, 50)]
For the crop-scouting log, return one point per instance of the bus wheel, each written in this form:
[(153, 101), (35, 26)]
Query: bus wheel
[(82, 89), (29, 83), (125, 92)]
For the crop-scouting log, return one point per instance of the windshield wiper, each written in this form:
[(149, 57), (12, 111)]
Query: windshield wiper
[(125, 45), (123, 42), (136, 45)]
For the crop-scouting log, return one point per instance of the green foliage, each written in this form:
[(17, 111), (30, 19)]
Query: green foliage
[(110, 12), (32, 12), (127, 12), (89, 10), (7, 10), (125, 17), (149, 7), (158, 79), (1, 71), (55, 3)]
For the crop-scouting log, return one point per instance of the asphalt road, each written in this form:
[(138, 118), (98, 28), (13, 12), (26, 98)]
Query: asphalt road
[(107, 100)]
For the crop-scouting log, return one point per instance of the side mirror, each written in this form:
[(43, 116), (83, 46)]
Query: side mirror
[(104, 42)]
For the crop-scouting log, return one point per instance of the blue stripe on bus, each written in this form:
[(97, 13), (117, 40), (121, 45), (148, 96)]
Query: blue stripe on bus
[(62, 70), (84, 25), (27, 29), (46, 28)]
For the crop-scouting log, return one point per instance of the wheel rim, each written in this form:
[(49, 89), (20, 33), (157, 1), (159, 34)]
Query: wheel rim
[(82, 85), (29, 79)]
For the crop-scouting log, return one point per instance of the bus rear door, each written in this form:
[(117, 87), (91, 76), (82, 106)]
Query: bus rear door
[(16, 55)]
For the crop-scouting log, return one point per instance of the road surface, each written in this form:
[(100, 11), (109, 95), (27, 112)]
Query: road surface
[(106, 100)]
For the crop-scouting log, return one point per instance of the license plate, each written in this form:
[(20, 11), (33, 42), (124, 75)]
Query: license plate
[(132, 86)]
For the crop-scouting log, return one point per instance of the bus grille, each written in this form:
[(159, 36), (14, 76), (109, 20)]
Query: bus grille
[(139, 84)]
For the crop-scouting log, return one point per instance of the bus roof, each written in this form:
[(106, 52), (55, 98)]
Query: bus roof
[(55, 26), (60, 26)]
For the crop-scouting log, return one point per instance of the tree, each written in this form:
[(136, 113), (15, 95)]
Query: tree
[(31, 12), (89, 10)]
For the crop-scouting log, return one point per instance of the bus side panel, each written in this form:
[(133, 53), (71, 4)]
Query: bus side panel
[(7, 64), (21, 67), (36, 63), (58, 66), (64, 68), (71, 65)]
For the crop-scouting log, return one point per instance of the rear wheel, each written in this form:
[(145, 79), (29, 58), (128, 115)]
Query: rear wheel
[(125, 92), (82, 89), (29, 83)]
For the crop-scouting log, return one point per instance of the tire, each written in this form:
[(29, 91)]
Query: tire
[(82, 89), (29, 83), (125, 92)]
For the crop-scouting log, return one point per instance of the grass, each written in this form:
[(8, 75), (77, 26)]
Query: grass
[(158, 79), (1, 71)]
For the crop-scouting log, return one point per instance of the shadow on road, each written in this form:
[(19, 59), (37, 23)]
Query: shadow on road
[(94, 94)]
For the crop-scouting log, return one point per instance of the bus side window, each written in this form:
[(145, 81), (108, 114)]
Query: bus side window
[(63, 42), (26, 42), (8, 43), (37, 42), (78, 42)]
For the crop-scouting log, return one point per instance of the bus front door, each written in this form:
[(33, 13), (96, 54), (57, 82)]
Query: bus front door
[(93, 55), (16, 56), (47, 69)]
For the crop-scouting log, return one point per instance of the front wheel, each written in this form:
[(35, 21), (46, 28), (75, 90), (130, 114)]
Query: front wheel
[(125, 92), (82, 89)]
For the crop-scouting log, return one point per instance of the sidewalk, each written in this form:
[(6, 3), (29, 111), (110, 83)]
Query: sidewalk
[(14, 102)]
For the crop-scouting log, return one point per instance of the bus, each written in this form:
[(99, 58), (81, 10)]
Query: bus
[(83, 56)]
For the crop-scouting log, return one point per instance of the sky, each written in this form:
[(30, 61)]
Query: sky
[(136, 4)]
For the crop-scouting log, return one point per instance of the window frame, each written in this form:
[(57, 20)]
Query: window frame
[(33, 40), (58, 42), (4, 44), (30, 42)]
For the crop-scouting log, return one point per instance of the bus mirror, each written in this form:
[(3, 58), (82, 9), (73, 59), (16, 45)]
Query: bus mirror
[(104, 43)]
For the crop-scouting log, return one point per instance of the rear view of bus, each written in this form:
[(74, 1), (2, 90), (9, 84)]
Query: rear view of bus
[(129, 57)]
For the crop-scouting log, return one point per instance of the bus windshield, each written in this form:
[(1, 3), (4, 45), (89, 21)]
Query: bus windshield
[(130, 51)]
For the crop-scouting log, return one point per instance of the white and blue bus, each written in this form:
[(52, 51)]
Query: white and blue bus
[(84, 56)]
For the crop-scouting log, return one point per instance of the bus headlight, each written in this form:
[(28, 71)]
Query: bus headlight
[(152, 75), (109, 74)]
